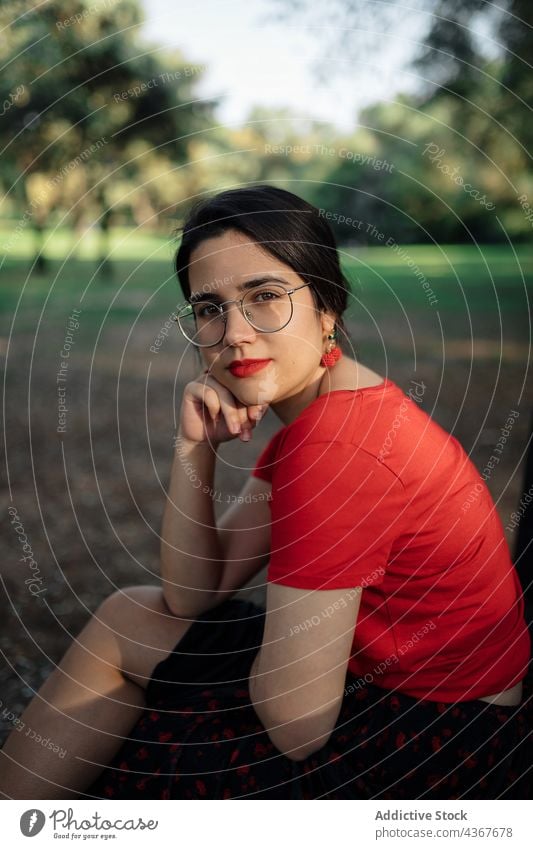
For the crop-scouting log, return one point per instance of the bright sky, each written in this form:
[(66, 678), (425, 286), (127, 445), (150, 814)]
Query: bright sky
[(252, 62)]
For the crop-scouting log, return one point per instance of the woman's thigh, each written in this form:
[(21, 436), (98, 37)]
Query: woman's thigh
[(143, 628)]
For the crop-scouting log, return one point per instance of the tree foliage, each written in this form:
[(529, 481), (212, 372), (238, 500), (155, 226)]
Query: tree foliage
[(88, 104), (460, 147)]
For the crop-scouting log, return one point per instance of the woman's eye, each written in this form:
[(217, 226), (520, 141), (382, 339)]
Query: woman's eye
[(207, 311), (266, 295)]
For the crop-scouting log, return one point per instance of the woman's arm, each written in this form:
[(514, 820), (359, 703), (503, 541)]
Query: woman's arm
[(192, 555), (298, 676), (244, 533), (242, 540)]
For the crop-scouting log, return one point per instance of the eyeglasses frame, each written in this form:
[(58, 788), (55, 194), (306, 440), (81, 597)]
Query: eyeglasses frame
[(239, 302)]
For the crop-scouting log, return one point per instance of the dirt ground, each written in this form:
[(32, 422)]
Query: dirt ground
[(91, 499)]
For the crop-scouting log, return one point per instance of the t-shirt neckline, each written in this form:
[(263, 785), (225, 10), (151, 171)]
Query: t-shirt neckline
[(377, 388)]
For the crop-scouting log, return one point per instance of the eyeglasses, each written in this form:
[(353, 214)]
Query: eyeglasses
[(267, 308)]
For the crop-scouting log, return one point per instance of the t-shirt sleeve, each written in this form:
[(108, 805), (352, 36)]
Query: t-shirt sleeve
[(336, 511), (264, 466)]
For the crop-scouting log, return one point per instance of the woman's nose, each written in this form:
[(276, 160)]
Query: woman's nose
[(237, 328)]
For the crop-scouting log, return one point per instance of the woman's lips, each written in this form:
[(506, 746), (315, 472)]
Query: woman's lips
[(244, 368)]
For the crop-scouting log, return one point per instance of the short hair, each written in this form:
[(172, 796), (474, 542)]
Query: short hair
[(284, 225)]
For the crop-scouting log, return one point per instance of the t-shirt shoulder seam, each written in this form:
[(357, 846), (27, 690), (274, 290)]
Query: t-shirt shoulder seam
[(358, 446)]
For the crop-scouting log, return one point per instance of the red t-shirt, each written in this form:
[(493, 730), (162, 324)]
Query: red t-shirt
[(368, 490)]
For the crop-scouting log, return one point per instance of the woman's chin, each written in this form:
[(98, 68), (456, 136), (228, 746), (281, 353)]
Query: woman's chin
[(249, 391), (251, 398)]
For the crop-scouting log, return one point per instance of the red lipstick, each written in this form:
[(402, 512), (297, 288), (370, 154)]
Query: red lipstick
[(245, 368)]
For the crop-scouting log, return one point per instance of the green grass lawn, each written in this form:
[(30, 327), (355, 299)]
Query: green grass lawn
[(464, 278), (471, 349)]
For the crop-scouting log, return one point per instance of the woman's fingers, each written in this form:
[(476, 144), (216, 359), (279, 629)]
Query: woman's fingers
[(210, 399), (211, 412), (235, 416), (250, 417), (239, 418), (257, 411)]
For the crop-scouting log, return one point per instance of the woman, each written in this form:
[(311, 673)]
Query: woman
[(389, 660)]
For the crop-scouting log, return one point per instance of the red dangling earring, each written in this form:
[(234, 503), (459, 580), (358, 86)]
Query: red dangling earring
[(333, 355)]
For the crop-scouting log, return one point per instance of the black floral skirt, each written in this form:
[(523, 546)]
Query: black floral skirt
[(200, 738)]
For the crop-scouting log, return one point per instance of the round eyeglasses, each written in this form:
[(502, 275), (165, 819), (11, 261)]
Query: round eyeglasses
[(267, 308)]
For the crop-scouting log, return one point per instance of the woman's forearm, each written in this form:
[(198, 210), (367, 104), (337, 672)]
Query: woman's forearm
[(297, 737), (191, 555)]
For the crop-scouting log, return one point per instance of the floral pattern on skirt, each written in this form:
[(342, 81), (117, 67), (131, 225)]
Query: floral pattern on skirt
[(200, 738)]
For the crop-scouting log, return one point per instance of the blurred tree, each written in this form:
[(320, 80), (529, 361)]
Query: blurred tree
[(450, 56), (487, 102), (88, 92), (274, 144), (453, 58), (473, 109)]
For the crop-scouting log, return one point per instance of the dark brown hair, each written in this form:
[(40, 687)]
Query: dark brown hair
[(283, 224)]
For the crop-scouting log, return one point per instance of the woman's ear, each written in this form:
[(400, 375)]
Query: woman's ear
[(328, 322)]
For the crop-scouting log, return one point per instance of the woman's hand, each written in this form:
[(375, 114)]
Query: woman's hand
[(210, 413)]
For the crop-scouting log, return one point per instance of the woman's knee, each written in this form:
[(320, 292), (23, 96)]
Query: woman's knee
[(143, 628), (132, 606)]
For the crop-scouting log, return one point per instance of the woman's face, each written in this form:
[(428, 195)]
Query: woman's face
[(220, 266)]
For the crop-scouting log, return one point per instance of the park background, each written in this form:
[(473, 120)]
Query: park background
[(408, 125)]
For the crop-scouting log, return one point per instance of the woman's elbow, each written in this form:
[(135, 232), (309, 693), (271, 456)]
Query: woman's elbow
[(296, 744), (190, 607), (299, 738)]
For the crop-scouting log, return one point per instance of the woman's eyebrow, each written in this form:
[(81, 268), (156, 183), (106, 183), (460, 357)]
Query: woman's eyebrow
[(248, 284)]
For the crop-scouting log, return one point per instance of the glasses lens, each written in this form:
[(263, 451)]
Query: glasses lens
[(202, 323), (267, 308)]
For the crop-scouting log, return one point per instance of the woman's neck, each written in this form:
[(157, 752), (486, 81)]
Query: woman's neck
[(288, 409), (345, 374)]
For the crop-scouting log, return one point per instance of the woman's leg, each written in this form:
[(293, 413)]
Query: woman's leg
[(91, 700)]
